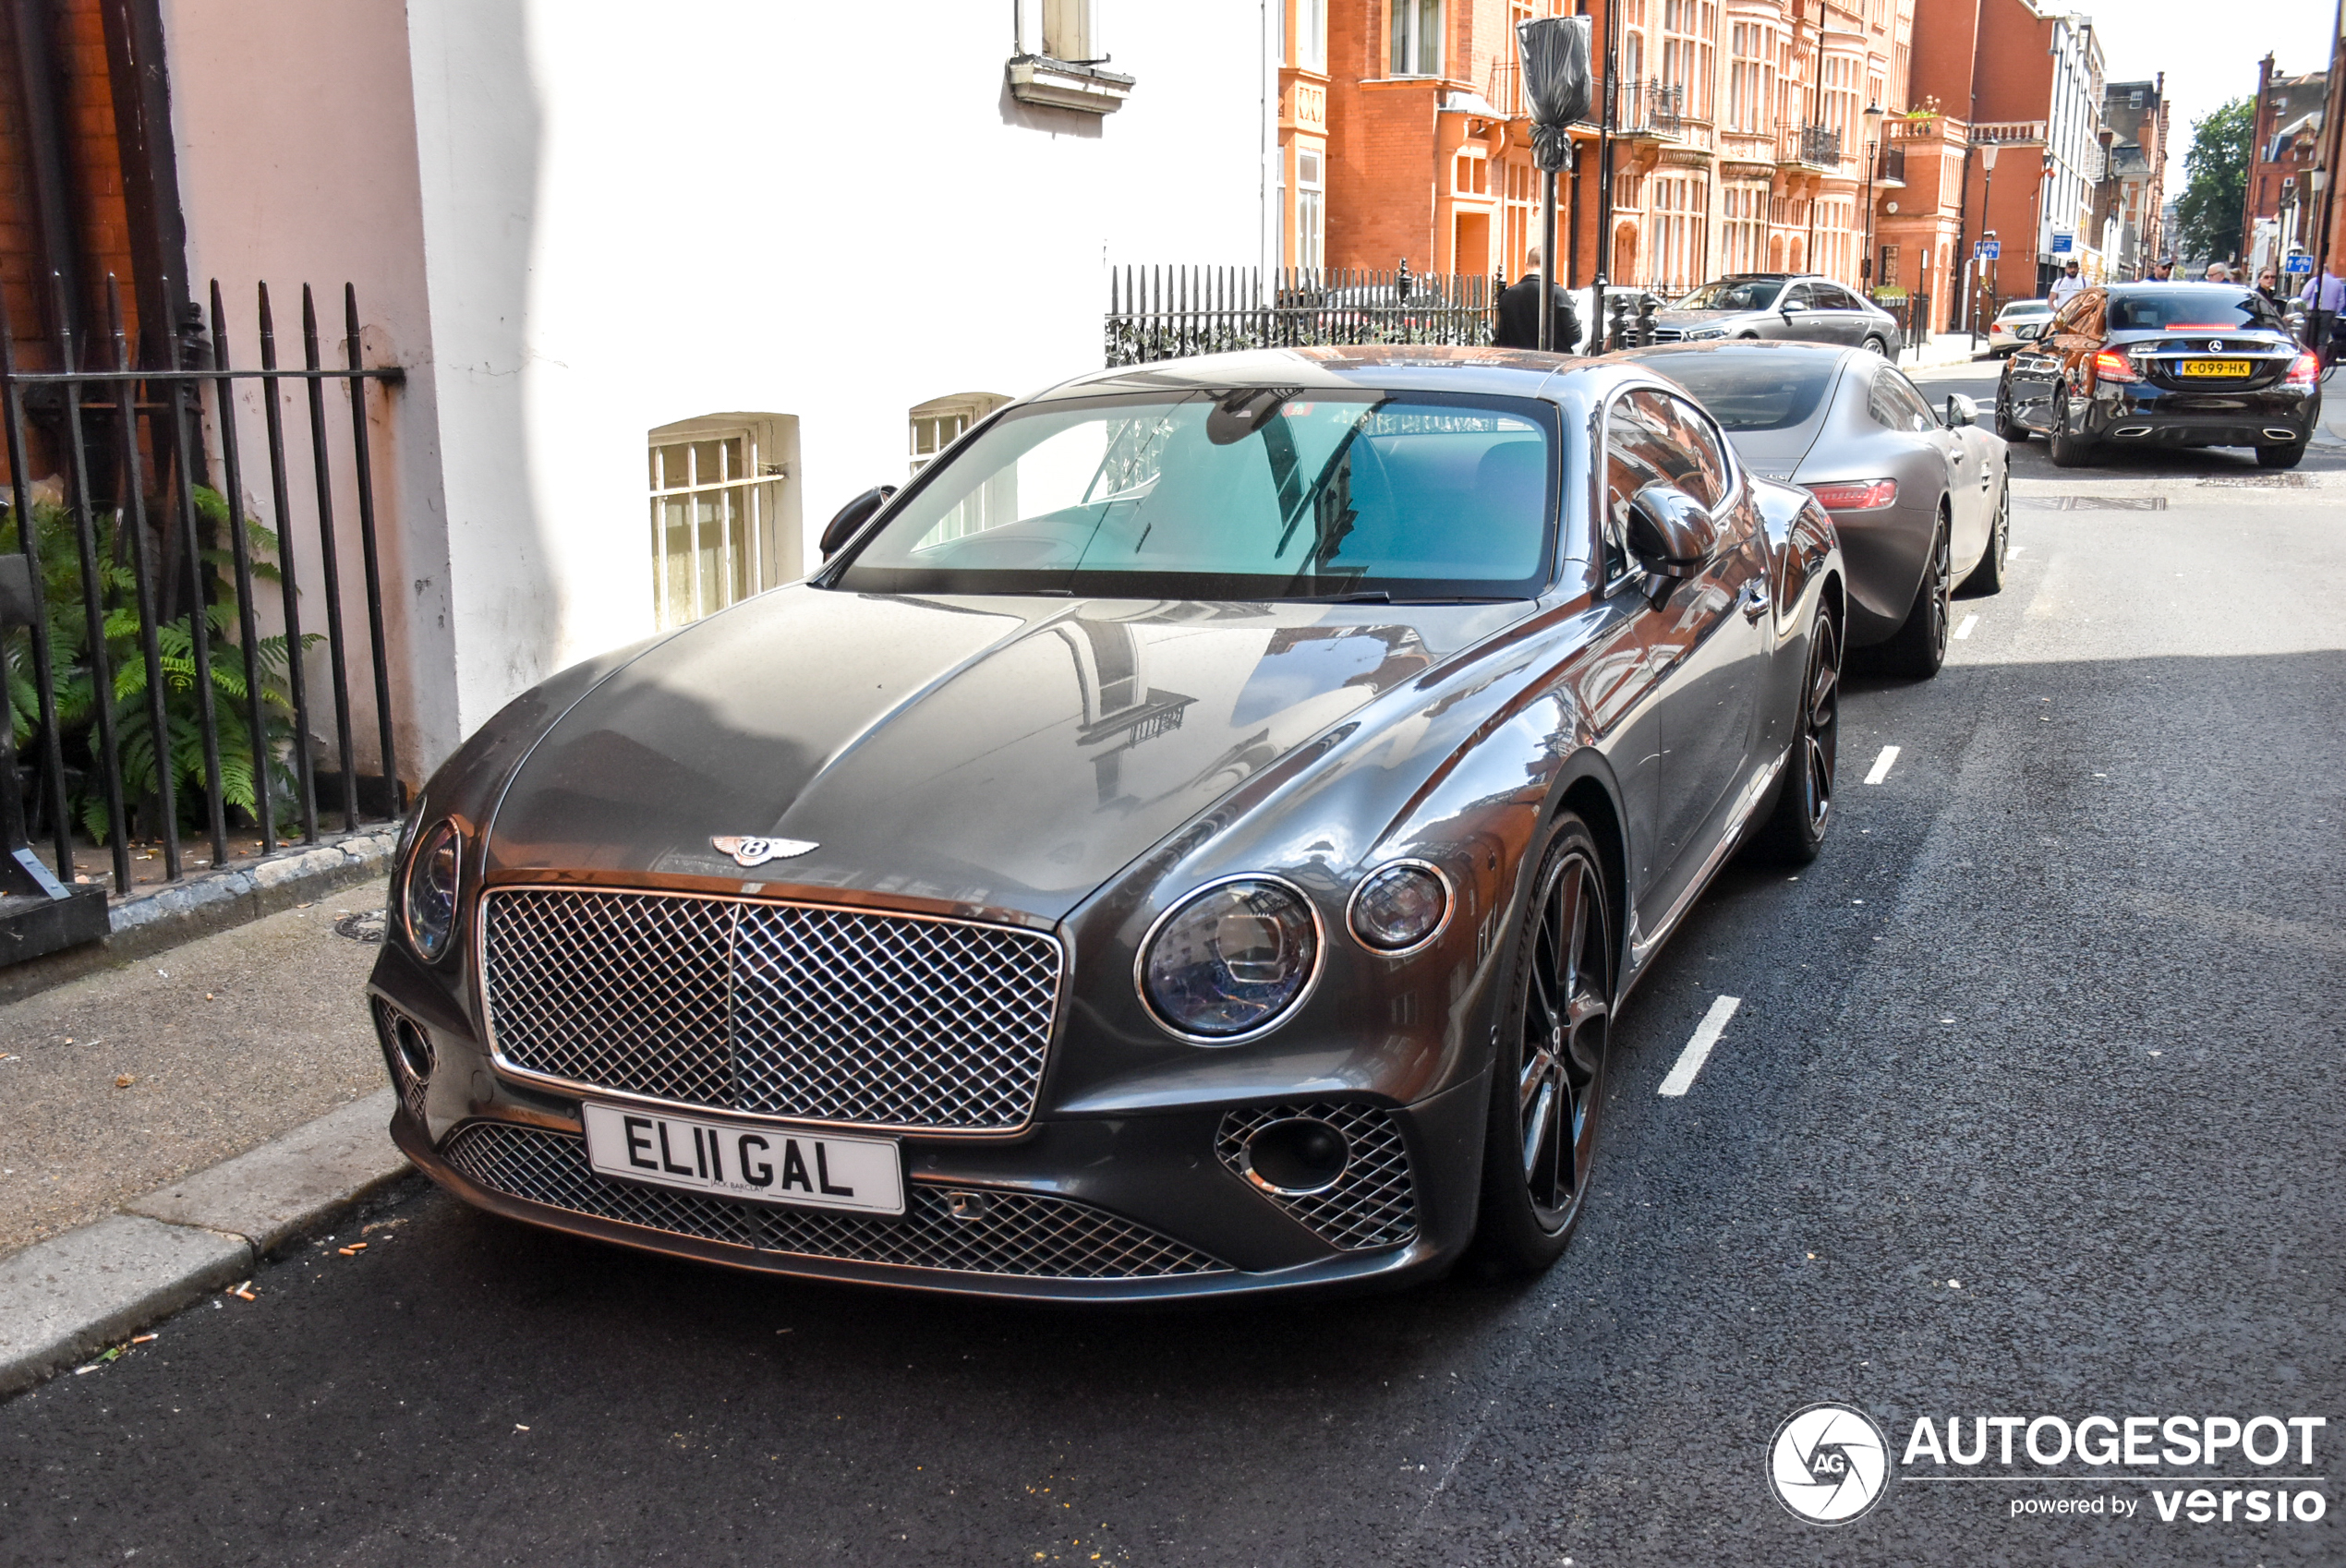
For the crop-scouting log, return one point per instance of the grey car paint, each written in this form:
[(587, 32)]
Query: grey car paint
[(1960, 471), (1809, 309), (965, 756)]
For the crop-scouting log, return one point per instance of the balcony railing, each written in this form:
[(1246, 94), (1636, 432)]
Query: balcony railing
[(1818, 146), (1894, 166), (1653, 108)]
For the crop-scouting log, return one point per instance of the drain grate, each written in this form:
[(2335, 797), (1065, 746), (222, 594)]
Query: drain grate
[(2093, 503)]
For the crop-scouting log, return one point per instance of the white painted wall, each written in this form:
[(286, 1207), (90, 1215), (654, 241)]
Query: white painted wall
[(588, 219)]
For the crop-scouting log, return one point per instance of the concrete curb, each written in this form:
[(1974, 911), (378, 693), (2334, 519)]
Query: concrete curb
[(70, 1297), (158, 918)]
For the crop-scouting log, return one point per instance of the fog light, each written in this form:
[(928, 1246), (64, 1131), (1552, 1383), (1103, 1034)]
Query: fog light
[(1295, 1157), (414, 1048), (1400, 907)]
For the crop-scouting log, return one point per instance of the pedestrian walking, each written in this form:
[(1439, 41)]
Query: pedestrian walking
[(2268, 286), (2161, 270), (2324, 299), (2068, 285), (2218, 273), (1519, 312)]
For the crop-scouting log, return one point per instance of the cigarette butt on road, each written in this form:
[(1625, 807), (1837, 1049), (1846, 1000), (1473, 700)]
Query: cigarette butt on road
[(144, 1338), (352, 1250)]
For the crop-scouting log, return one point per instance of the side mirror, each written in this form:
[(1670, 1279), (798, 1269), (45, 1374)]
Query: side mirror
[(851, 517), (1791, 308), (1961, 411), (1671, 532)]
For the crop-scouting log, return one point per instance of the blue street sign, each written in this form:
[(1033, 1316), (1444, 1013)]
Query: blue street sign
[(2063, 243), (2298, 264), (1988, 250)]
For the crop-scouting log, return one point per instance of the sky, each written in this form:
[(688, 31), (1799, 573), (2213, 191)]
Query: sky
[(2209, 49)]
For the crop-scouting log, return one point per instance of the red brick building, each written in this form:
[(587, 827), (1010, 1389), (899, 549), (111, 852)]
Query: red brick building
[(2285, 146)]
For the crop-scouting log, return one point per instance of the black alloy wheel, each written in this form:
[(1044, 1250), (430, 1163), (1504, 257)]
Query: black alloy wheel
[(1541, 1139), (1919, 646), (2068, 451), (1795, 832), (1988, 578), (2010, 429)]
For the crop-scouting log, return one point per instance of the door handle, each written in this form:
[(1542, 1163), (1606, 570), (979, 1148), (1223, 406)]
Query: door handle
[(1754, 600)]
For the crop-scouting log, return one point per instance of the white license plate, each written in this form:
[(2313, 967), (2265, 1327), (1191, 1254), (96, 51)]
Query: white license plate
[(740, 1160)]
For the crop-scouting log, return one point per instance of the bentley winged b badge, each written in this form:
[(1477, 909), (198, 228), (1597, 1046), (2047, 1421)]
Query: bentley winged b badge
[(757, 851)]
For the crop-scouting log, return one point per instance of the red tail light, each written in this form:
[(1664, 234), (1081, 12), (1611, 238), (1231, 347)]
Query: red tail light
[(2112, 365), (2305, 371), (1856, 495)]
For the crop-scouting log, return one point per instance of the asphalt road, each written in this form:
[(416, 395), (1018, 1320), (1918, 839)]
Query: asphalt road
[(2031, 1106)]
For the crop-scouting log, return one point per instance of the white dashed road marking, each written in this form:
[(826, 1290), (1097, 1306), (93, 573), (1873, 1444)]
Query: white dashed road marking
[(1964, 629), (1881, 769), (1698, 1051)]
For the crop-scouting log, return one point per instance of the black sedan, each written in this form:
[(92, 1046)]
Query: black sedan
[(1194, 839), (2167, 364), (1921, 496)]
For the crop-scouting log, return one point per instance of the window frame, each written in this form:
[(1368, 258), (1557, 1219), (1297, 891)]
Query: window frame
[(1409, 58), (772, 528)]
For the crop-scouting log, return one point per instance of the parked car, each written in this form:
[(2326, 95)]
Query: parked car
[(1778, 305), (2020, 321), (1921, 499), (2171, 365), (1193, 840)]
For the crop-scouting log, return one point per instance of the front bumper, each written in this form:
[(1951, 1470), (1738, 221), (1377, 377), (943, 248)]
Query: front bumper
[(1140, 1207), (2140, 413)]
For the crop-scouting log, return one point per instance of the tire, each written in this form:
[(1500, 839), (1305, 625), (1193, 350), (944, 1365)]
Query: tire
[(2010, 429), (1919, 646), (2280, 456), (1988, 578), (1795, 831), (1548, 1077), (1875, 345), (2068, 451)]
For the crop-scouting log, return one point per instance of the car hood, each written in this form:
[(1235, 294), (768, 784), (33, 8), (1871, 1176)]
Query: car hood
[(1001, 752), (1697, 318)]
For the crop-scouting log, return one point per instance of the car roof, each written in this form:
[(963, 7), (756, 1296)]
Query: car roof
[(2169, 285), (1507, 372), (1744, 346)]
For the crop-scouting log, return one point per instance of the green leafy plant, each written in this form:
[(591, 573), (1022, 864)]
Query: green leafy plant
[(229, 673)]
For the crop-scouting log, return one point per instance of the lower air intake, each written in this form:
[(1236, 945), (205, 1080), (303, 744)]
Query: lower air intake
[(1006, 1232), (1371, 1204)]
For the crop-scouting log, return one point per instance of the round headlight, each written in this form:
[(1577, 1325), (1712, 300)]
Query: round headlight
[(1400, 906), (1229, 961), (428, 902)]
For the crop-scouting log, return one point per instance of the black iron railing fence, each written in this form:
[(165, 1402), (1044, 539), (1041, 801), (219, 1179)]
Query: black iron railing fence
[(1171, 312), (148, 691)]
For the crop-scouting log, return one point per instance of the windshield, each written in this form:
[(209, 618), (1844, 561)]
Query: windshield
[(1753, 389), (1734, 293), (2028, 308), (2190, 310), (1255, 493)]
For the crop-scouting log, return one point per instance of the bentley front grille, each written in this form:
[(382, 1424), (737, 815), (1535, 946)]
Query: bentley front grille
[(815, 1013), (1023, 1233), (1371, 1204)]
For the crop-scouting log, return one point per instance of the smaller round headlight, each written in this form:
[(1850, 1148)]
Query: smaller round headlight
[(1229, 961), (1400, 907), (428, 902)]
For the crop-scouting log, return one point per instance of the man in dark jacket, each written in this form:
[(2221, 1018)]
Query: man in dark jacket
[(1519, 313)]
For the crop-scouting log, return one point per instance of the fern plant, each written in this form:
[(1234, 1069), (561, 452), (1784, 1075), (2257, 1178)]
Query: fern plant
[(231, 671)]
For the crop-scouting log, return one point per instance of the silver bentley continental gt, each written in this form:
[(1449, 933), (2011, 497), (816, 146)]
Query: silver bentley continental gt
[(1192, 840), (1921, 496)]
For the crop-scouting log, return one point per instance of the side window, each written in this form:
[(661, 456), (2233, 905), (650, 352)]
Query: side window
[(1797, 294), (1895, 404), (1832, 297), (1654, 439)]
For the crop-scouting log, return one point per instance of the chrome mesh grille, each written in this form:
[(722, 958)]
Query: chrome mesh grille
[(1372, 1204), (1022, 1234), (827, 1015)]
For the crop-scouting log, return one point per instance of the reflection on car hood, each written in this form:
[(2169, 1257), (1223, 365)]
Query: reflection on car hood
[(1014, 753), (1690, 317)]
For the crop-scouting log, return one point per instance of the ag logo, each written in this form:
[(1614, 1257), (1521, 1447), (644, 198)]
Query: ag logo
[(1828, 1464)]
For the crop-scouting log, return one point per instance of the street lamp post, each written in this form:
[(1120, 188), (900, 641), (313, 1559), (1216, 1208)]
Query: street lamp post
[(1986, 226), (1873, 130)]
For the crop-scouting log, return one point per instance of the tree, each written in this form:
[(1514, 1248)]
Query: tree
[(2208, 214)]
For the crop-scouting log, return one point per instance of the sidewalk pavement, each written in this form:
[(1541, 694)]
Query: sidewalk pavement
[(1943, 348), (2331, 430), (171, 1121)]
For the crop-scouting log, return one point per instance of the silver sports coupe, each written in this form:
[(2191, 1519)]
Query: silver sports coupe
[(1921, 496), (1192, 840)]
